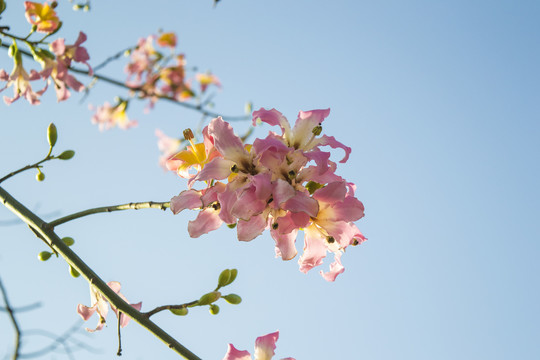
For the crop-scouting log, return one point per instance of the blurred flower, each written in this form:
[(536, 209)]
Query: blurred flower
[(168, 146), (41, 15), (167, 40), (100, 304), (264, 349), (108, 116), (206, 79), (19, 79)]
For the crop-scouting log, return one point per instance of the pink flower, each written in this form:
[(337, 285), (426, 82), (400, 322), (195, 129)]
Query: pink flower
[(100, 305), (42, 16), (108, 116), (285, 183), (264, 349), (67, 53), (19, 79)]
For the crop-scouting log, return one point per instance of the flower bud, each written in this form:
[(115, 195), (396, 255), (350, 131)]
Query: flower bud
[(233, 299), (180, 312), (68, 241), (214, 309), (234, 272), (54, 4), (2, 6), (209, 298), (66, 155), (224, 278), (40, 176), (44, 256), (73, 272), (52, 135)]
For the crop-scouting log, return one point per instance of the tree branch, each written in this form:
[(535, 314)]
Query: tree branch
[(78, 264), (13, 321), (130, 206)]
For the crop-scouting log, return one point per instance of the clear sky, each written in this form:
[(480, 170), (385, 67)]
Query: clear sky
[(439, 102)]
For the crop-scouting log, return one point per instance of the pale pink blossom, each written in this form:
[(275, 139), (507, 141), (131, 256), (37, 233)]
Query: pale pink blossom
[(19, 80), (108, 116), (265, 347), (100, 305)]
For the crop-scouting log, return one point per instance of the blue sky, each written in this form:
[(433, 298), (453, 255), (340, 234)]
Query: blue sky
[(439, 102)]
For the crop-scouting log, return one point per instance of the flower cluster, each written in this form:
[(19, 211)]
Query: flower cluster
[(99, 305), (284, 183), (55, 68), (151, 72), (264, 349)]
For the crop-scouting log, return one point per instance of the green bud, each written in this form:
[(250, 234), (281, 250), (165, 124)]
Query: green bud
[(234, 273), (2, 6), (34, 28), (214, 309), (68, 241), (73, 272), (12, 50), (179, 312), (224, 278), (232, 299), (52, 135), (209, 298), (231, 226), (66, 155), (40, 176), (44, 256), (312, 186)]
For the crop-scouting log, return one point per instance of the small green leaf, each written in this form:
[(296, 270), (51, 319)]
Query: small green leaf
[(66, 155)]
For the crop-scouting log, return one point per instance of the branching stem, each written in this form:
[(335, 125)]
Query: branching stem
[(130, 206), (87, 273), (11, 314)]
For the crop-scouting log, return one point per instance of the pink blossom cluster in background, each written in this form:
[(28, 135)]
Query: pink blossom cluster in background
[(150, 72), (55, 69), (284, 183)]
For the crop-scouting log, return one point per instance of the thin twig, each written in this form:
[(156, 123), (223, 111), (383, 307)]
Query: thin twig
[(169, 307), (119, 352), (27, 167), (13, 321), (87, 273), (130, 206), (22, 308)]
